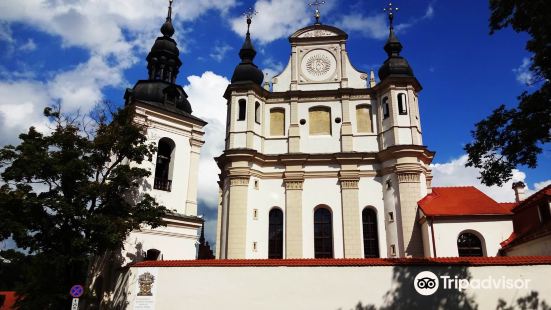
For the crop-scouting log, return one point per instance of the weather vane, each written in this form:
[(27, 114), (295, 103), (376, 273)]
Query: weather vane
[(317, 4), (249, 14), (391, 11)]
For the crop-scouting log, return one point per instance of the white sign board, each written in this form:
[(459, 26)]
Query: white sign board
[(74, 306)]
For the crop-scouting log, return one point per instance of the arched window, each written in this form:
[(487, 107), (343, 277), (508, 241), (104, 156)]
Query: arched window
[(402, 104), (371, 240), (163, 167), (242, 110), (386, 112), (257, 112), (323, 233), (468, 244), (277, 122), (275, 234), (363, 118), (320, 120)]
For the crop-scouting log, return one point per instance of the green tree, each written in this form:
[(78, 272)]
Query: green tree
[(70, 195), (510, 137)]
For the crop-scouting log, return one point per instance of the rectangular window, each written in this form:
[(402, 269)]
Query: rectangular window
[(386, 112), (277, 122), (392, 250), (255, 214), (257, 112), (320, 120), (391, 216), (363, 118), (402, 104), (242, 110)]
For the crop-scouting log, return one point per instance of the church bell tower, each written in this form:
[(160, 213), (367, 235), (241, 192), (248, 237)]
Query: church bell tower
[(161, 105)]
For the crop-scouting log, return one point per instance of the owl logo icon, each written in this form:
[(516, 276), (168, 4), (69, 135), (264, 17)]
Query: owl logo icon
[(426, 283)]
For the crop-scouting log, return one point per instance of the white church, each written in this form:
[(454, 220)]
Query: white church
[(323, 162), (322, 167)]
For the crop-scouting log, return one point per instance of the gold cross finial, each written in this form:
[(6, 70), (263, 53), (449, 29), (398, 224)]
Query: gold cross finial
[(249, 14), (391, 11), (317, 14)]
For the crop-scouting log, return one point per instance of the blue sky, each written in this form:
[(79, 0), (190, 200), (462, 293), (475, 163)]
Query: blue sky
[(78, 52)]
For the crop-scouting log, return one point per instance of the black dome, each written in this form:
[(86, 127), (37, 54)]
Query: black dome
[(160, 93), (394, 65), (247, 71)]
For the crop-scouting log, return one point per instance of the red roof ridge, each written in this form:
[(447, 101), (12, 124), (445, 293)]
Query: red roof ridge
[(534, 196), (353, 262)]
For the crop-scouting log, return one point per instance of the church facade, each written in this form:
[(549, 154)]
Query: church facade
[(326, 163)]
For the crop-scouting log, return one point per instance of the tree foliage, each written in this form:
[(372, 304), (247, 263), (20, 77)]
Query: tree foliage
[(72, 194), (510, 137)]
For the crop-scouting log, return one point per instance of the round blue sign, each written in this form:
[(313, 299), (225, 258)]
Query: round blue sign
[(77, 291)]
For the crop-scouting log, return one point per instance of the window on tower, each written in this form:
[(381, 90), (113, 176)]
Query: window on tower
[(468, 244), (386, 112), (242, 110), (320, 120), (257, 112), (275, 234), (323, 233), (371, 239), (277, 122), (402, 104), (164, 165), (363, 118)]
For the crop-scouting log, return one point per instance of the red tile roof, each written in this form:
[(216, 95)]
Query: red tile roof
[(348, 262), (9, 301), (460, 201), (541, 194)]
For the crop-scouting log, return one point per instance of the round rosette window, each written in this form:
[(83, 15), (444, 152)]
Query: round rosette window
[(318, 65)]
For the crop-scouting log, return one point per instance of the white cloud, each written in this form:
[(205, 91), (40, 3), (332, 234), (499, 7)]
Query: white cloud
[(29, 46), (454, 173), (205, 95), (112, 32), (369, 26), (219, 51), (275, 19), (375, 26), (523, 74), (271, 68)]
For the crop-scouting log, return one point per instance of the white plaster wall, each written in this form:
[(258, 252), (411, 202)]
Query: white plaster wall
[(390, 200), (537, 247), (365, 143), (371, 194), (324, 288), (174, 242), (493, 231), (270, 193), (239, 140), (318, 86), (320, 143), (316, 192), (354, 76), (427, 240), (276, 146), (404, 136), (283, 79), (176, 198)]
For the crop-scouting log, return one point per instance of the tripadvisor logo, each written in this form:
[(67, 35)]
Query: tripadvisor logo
[(426, 283)]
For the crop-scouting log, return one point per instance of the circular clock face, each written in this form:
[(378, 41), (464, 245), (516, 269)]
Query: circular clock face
[(318, 65)]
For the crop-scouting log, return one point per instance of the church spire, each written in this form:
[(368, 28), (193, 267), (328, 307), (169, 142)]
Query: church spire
[(395, 64), (247, 71), (163, 60), (167, 29)]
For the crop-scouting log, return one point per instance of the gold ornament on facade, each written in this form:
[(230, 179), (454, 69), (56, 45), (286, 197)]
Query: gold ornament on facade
[(145, 282)]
